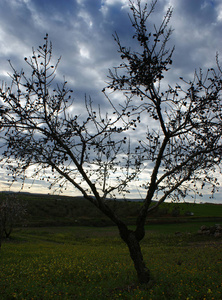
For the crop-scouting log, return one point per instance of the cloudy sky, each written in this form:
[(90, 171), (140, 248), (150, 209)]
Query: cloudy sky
[(81, 32)]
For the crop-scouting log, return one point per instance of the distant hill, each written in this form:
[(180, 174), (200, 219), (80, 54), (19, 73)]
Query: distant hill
[(54, 210)]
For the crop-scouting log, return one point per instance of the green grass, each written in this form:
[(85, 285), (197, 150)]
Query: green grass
[(203, 209), (93, 263)]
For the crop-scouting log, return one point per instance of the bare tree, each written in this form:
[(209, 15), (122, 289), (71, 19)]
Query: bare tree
[(12, 212), (94, 153)]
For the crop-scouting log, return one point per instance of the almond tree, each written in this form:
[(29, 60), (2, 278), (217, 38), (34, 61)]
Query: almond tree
[(179, 130), (12, 212)]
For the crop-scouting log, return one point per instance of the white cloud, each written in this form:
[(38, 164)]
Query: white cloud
[(86, 17), (107, 3), (219, 13), (84, 52)]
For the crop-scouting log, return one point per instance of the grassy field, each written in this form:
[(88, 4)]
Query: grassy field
[(93, 263), (55, 257)]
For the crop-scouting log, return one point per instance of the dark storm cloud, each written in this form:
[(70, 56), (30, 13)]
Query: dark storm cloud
[(199, 12), (81, 31), (197, 34)]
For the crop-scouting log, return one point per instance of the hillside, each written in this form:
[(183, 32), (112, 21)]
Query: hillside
[(52, 210)]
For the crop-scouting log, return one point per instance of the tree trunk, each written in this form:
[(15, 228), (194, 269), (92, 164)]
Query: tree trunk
[(133, 244)]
